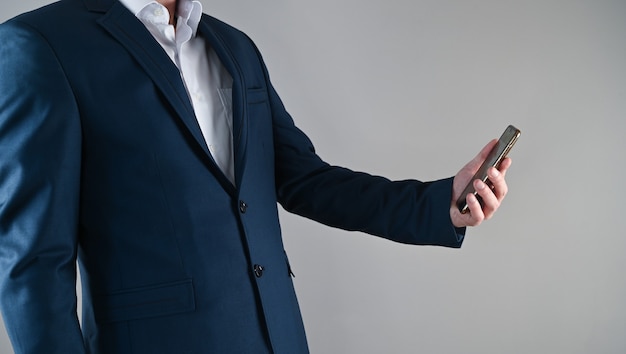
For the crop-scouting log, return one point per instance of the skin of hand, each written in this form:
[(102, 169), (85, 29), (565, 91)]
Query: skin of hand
[(492, 198)]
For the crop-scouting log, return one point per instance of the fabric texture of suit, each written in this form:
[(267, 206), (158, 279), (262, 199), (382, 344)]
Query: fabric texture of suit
[(102, 160)]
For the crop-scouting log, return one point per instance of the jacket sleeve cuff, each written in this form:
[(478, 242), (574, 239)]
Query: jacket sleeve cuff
[(450, 236)]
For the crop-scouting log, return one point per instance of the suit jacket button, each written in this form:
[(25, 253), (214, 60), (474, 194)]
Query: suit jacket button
[(243, 206), (258, 270)]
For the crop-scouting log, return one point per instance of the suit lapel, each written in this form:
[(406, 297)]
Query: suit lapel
[(227, 58), (132, 34)]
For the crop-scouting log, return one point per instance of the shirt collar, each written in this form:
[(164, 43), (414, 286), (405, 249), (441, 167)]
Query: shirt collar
[(136, 5), (189, 10)]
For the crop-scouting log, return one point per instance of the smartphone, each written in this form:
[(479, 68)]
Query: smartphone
[(497, 154)]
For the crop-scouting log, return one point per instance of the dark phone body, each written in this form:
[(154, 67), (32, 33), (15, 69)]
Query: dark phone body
[(497, 154)]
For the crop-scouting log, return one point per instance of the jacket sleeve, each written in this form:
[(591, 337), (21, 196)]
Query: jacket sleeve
[(409, 211), (40, 153)]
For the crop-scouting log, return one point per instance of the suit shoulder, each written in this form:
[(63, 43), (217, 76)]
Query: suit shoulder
[(225, 30), (61, 17), (53, 11), (26, 33), (219, 24)]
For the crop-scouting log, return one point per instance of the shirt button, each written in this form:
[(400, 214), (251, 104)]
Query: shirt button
[(243, 207), (258, 270), (158, 11)]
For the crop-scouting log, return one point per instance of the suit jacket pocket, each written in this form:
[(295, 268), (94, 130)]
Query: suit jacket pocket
[(147, 301), (256, 95)]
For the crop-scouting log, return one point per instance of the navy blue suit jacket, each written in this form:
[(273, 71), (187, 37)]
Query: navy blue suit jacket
[(102, 160)]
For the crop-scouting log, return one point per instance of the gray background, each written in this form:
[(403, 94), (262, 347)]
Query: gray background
[(413, 89)]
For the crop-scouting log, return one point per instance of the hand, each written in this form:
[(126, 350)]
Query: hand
[(491, 197)]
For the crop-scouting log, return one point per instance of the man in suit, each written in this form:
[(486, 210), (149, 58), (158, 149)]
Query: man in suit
[(145, 140)]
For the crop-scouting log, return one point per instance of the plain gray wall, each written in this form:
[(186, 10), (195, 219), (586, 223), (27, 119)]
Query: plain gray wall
[(413, 89)]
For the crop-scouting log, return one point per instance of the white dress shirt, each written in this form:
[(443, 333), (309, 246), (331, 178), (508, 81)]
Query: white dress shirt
[(208, 83)]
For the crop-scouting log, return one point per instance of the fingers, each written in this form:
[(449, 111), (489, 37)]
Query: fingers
[(476, 215), (493, 193), (490, 202), (504, 165), (497, 179)]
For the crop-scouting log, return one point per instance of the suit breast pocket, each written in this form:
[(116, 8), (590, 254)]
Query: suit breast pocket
[(256, 95), (260, 136)]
